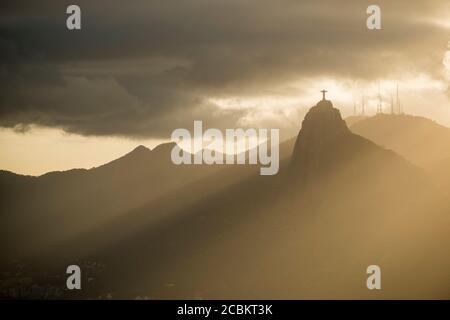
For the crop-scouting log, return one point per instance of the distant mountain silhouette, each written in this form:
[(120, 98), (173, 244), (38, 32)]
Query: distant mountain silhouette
[(325, 146), (39, 212), (322, 129), (58, 205), (355, 204), (340, 204), (351, 120), (420, 140)]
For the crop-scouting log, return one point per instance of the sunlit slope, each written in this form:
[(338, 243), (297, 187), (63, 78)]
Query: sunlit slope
[(39, 212), (309, 232), (420, 140)]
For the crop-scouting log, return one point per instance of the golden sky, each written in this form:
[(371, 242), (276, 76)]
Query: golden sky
[(133, 74)]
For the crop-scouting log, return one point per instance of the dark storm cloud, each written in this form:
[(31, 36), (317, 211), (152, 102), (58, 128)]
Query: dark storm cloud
[(146, 67)]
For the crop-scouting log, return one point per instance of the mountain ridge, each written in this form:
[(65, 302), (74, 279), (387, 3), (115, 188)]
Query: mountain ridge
[(422, 141), (257, 235)]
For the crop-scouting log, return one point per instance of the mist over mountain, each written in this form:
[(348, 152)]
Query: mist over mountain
[(420, 140), (84, 84), (351, 120), (57, 205), (40, 212), (340, 204)]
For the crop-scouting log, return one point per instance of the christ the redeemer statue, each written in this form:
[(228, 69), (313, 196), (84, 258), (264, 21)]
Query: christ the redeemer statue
[(323, 94)]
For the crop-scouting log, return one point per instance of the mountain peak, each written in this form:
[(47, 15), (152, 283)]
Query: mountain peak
[(164, 147), (323, 120), (322, 132), (141, 148), (140, 153), (324, 104)]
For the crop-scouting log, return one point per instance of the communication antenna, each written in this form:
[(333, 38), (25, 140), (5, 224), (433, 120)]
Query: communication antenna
[(392, 104), (380, 103), (363, 111)]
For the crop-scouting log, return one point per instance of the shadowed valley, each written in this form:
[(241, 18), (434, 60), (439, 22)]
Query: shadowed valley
[(339, 204)]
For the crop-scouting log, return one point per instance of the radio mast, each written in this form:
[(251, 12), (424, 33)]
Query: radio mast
[(380, 103), (399, 108)]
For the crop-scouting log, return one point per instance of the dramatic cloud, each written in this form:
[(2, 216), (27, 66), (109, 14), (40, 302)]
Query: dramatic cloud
[(142, 70)]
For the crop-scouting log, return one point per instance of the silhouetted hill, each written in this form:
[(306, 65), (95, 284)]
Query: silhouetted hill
[(326, 146), (270, 237), (140, 154), (40, 212), (322, 129), (420, 140), (58, 205), (351, 120)]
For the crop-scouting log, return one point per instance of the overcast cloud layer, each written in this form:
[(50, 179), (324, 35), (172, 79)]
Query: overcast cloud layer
[(143, 68)]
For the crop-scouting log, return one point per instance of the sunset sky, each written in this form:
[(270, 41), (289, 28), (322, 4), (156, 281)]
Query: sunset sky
[(134, 73)]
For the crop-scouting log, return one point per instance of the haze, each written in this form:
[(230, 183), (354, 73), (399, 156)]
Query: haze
[(133, 75)]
